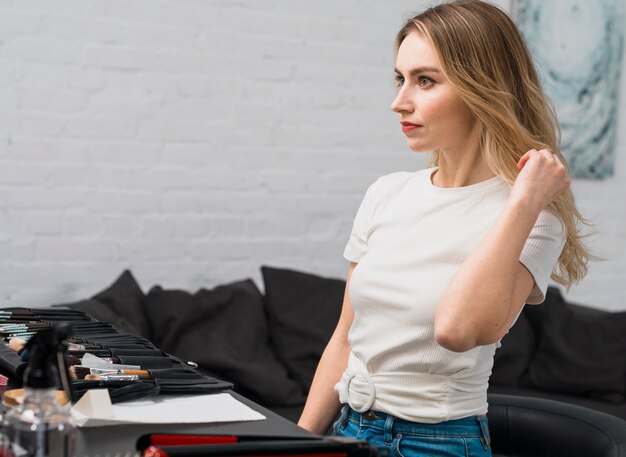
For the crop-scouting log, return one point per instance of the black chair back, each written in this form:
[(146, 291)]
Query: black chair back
[(537, 427)]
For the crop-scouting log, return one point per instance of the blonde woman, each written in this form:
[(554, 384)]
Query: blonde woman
[(444, 259)]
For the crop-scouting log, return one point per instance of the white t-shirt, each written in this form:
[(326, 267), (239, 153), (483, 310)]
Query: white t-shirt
[(409, 238)]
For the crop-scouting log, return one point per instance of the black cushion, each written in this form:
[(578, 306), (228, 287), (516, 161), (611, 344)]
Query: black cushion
[(579, 353), (513, 358), (303, 311), (121, 305), (223, 330)]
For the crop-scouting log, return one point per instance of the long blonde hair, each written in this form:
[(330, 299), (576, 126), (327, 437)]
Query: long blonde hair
[(485, 58)]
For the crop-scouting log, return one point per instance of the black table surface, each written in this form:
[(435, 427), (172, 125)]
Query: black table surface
[(120, 440)]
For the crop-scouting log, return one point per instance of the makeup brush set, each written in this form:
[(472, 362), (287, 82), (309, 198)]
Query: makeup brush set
[(96, 355)]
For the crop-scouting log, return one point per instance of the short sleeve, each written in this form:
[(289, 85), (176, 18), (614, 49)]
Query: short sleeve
[(357, 244), (541, 253)]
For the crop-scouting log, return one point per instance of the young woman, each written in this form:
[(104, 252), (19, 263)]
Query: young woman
[(443, 260)]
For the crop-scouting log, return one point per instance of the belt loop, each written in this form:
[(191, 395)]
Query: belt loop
[(345, 413), (388, 432), (484, 428)]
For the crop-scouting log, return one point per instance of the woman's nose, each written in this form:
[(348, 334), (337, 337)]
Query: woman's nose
[(402, 103)]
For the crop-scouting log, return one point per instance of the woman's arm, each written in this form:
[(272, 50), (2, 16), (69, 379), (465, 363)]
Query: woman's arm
[(322, 405), (488, 291)]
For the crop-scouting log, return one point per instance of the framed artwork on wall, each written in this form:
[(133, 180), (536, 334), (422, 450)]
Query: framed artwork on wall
[(578, 46)]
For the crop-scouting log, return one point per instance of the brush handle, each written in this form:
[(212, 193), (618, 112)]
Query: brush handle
[(84, 372), (143, 374)]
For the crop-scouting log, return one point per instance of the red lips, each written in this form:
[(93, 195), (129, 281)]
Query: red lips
[(408, 126)]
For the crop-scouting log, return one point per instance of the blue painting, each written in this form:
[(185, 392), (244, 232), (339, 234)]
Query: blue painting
[(578, 46)]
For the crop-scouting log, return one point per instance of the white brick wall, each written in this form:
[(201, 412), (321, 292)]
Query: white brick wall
[(194, 140)]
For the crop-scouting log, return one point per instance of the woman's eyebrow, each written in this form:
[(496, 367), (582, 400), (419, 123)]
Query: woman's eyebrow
[(418, 70)]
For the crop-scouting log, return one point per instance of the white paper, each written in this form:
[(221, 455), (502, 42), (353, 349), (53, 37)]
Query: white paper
[(96, 410), (93, 361), (96, 402)]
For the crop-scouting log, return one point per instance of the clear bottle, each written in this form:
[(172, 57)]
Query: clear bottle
[(40, 426)]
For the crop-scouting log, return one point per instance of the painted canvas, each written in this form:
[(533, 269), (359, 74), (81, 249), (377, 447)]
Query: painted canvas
[(578, 46)]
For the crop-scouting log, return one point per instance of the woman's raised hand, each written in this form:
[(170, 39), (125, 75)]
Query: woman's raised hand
[(541, 179)]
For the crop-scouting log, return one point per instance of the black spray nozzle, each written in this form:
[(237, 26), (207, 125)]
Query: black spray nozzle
[(46, 356)]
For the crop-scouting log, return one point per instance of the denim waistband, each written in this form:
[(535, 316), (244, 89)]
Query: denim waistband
[(473, 425)]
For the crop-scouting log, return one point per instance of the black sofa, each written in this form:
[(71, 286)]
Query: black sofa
[(269, 344)]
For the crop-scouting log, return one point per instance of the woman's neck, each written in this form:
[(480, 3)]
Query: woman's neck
[(461, 169)]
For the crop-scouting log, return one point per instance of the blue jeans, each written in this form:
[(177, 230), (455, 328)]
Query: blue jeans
[(395, 437)]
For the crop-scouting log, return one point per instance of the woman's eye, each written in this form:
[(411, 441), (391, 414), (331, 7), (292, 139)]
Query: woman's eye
[(424, 81), (399, 81)]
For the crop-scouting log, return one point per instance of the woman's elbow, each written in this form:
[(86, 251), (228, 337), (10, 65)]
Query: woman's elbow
[(462, 339), (453, 330), (455, 338)]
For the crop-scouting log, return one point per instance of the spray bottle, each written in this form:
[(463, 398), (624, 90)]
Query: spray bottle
[(40, 426)]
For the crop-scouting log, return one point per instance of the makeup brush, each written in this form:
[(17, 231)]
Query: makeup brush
[(22, 324), (86, 373), (17, 344), (112, 377)]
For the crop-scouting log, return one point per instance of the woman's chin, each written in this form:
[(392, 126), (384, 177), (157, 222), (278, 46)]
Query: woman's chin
[(418, 147)]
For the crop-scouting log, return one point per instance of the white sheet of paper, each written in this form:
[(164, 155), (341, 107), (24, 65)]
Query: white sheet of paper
[(197, 409), (93, 361)]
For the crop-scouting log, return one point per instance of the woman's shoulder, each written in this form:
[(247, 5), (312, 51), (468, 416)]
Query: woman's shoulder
[(391, 186), (400, 178)]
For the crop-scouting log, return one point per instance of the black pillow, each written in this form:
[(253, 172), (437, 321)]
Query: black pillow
[(513, 357), (303, 311), (580, 353), (225, 332), (121, 305)]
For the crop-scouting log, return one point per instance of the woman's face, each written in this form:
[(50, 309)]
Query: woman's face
[(431, 112)]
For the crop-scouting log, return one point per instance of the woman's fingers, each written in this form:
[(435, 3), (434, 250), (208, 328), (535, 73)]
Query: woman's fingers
[(547, 154), (542, 176), (522, 161), (543, 153)]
